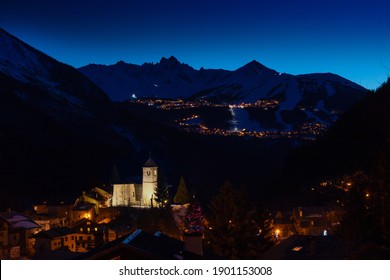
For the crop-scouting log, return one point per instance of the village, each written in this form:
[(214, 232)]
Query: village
[(119, 223)]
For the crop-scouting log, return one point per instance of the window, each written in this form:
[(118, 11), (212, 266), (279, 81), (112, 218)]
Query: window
[(96, 229), (89, 230), (66, 239), (80, 238), (81, 229), (89, 238), (72, 237), (72, 246), (155, 172)]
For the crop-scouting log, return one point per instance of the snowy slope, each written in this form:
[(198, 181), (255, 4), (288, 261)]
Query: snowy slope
[(319, 97), (171, 79), (57, 88)]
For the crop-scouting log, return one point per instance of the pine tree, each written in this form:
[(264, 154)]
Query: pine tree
[(235, 230), (194, 220), (115, 177), (182, 195), (161, 192)]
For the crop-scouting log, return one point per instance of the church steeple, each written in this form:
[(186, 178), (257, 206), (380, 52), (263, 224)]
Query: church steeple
[(150, 162), (149, 181)]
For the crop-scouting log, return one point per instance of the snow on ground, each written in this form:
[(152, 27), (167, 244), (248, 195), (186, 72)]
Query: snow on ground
[(293, 96), (241, 120)]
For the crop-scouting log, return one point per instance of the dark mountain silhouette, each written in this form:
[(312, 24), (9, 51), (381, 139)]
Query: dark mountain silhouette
[(56, 135), (358, 140)]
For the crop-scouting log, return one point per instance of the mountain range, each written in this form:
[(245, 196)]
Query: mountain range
[(61, 133), (171, 79), (56, 132), (317, 97)]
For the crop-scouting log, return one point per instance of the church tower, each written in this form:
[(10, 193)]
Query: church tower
[(149, 182)]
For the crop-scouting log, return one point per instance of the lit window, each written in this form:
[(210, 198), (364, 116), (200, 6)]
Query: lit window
[(89, 229), (81, 229), (296, 249), (95, 228)]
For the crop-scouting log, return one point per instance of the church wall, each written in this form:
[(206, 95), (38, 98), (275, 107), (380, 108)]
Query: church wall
[(124, 195)]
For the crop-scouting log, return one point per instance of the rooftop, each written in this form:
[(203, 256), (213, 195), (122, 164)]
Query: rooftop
[(17, 220)]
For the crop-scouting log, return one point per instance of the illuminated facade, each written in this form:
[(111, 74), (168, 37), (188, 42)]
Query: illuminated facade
[(149, 182), (133, 194)]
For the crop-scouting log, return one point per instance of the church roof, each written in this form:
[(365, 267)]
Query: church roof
[(150, 163)]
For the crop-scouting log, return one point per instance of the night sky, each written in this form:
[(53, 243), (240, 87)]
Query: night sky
[(346, 37)]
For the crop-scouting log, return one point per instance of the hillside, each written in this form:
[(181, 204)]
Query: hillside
[(55, 131), (296, 99), (359, 140)]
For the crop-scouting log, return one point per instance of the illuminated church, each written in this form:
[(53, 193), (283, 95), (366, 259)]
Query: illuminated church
[(136, 194)]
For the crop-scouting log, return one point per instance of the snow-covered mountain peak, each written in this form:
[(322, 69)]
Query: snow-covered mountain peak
[(34, 76), (19, 60), (170, 61), (255, 68)]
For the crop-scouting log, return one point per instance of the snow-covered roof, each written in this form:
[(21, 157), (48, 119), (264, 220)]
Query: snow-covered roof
[(17, 220)]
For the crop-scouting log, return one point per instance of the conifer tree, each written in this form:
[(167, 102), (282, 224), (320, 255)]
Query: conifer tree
[(194, 220), (115, 177), (161, 193), (182, 195), (235, 230)]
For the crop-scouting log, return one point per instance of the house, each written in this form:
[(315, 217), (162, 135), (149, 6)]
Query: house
[(82, 236), (303, 247), (60, 210), (83, 210), (143, 246), (283, 225), (98, 196), (315, 220), (96, 234), (16, 231), (55, 239), (48, 221)]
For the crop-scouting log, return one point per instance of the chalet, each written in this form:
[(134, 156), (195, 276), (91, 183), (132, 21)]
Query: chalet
[(54, 239), (16, 231), (144, 246), (60, 210), (283, 225), (300, 247), (48, 221), (315, 220), (83, 210), (100, 233)]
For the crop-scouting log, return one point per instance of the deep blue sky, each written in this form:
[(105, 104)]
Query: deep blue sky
[(347, 37)]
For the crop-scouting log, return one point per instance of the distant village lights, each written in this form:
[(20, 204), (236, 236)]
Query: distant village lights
[(308, 131)]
